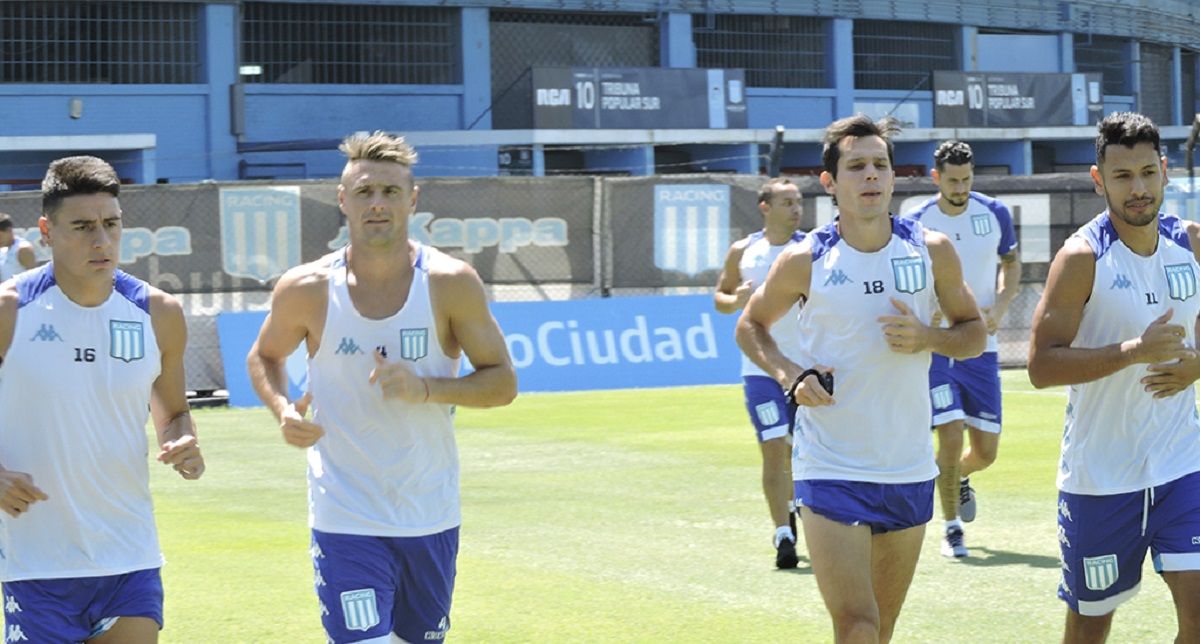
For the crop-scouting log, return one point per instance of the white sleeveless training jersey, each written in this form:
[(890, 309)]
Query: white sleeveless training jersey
[(10, 263), (980, 234), (754, 266), (878, 430), (384, 467), (1117, 437), (75, 390)]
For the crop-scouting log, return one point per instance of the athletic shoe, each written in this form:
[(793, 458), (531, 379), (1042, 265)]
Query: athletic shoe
[(953, 545), (785, 554), (966, 501)]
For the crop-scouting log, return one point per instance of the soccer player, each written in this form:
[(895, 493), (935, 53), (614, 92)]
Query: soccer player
[(16, 254), (1117, 323), (967, 392), (86, 351), (863, 462), (385, 323), (771, 412)]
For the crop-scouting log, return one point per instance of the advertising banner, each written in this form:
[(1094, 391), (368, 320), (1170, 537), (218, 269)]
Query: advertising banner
[(985, 99)]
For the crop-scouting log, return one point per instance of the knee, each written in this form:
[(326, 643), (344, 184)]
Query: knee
[(986, 455), (856, 626)]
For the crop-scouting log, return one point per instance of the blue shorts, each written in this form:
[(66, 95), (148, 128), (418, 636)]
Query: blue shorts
[(373, 586), (79, 608), (885, 507), (966, 390), (1104, 541), (770, 410)]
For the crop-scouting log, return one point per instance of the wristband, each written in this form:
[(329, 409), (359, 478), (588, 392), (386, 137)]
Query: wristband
[(826, 380)]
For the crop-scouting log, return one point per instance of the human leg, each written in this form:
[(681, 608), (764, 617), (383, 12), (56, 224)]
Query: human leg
[(841, 562), (894, 558)]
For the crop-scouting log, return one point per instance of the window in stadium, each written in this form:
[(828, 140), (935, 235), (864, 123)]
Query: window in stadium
[(99, 42), (351, 44), (1107, 55), (902, 55), (775, 51)]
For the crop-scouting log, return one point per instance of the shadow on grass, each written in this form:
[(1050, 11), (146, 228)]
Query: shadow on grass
[(986, 557)]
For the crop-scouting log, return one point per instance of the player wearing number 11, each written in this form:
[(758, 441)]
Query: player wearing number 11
[(863, 462)]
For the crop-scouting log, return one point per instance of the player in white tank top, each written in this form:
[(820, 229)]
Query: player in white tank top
[(965, 394), (863, 457), (1117, 323), (746, 267), (86, 351), (16, 254), (385, 322)]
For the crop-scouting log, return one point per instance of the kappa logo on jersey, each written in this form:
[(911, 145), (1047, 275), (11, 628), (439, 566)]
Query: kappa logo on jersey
[(347, 347), (837, 278), (414, 344), (941, 396), (46, 333), (11, 605), (1100, 572), (440, 633), (768, 413), (126, 340), (260, 231), (15, 634), (1181, 281), (1121, 281), (909, 273), (981, 224), (691, 227), (1065, 510), (359, 609)]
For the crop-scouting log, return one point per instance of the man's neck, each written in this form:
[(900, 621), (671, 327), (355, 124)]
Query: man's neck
[(866, 235), (1142, 240), (89, 291), (371, 264), (950, 209), (778, 236)]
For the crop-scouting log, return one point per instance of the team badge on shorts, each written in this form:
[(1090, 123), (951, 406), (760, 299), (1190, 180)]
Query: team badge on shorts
[(126, 340), (768, 413), (1181, 281), (909, 273), (414, 344), (1100, 572), (941, 396), (981, 224), (359, 609)]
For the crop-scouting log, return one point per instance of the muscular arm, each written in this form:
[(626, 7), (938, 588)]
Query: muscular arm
[(1008, 284), (732, 293), (461, 299), (786, 283), (966, 335), (168, 396), (299, 293), (1052, 359)]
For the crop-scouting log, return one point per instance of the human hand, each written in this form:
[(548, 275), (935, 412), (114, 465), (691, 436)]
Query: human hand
[(810, 392), (1169, 378), (398, 381), (1161, 342), (904, 333), (297, 430), (17, 492), (742, 294), (184, 455)]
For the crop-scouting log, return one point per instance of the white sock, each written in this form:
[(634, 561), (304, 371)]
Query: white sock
[(784, 532), (954, 523)]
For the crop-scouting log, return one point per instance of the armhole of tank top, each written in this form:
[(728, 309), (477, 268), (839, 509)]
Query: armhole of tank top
[(330, 286)]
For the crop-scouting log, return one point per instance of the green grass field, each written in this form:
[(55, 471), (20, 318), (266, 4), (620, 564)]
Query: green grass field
[(623, 516)]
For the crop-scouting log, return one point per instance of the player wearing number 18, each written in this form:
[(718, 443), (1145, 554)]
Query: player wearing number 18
[(863, 462)]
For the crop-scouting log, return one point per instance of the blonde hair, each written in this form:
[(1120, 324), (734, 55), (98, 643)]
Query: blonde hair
[(378, 146)]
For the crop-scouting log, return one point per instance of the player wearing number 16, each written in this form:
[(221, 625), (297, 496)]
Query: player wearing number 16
[(863, 463), (86, 350)]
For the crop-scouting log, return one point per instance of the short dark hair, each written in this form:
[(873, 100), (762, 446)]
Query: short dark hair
[(953, 152), (5, 221), (81, 175), (768, 189), (859, 125), (1126, 129)]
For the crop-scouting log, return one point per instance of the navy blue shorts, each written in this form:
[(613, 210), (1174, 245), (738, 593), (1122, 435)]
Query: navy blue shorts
[(885, 507), (1103, 543), (79, 608), (373, 586), (966, 390), (771, 412)]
